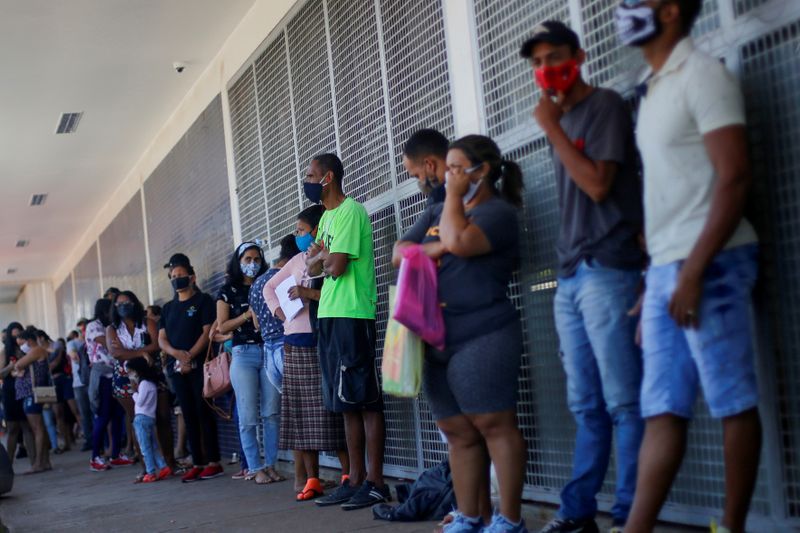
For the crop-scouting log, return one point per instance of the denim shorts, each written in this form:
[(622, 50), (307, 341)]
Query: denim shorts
[(719, 355), (31, 407)]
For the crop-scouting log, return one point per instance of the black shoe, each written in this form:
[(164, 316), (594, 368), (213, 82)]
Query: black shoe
[(343, 493), (561, 525), (367, 496)]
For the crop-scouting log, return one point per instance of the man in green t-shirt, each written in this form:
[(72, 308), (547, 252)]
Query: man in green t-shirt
[(344, 255)]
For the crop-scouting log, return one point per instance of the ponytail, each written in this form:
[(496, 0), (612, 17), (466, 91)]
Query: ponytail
[(505, 176)]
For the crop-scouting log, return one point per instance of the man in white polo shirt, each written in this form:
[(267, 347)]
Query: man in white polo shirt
[(696, 318)]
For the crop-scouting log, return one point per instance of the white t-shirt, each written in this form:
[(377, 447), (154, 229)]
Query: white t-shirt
[(146, 399), (693, 94)]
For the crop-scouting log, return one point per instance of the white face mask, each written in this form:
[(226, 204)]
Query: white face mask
[(473, 186), (25, 348), (472, 191)]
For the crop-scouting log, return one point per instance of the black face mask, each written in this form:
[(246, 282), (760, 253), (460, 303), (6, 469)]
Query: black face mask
[(125, 310), (181, 283)]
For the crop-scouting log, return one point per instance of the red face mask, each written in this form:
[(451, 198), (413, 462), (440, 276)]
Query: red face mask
[(558, 79)]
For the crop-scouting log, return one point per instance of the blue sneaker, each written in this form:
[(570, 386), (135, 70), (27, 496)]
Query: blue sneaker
[(501, 525), (462, 524)]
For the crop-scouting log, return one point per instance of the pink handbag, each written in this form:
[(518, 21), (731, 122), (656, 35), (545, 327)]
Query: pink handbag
[(417, 305), (217, 379)]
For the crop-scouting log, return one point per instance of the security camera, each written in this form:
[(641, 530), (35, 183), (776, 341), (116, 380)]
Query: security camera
[(179, 66)]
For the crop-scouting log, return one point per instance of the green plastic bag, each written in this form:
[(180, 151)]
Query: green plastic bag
[(402, 358)]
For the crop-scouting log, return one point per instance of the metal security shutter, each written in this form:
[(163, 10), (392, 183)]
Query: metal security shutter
[(87, 283), (356, 80), (419, 93), (188, 206), (311, 83), (502, 28), (247, 157), (509, 94), (402, 456), (281, 175), (65, 308), (744, 6), (771, 78), (122, 251), (360, 104)]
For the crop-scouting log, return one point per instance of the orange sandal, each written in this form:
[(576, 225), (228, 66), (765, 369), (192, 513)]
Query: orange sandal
[(312, 490)]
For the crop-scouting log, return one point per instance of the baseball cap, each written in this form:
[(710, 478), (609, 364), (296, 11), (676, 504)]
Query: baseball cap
[(553, 32), (178, 260)]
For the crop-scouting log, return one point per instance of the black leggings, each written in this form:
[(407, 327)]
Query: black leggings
[(201, 425)]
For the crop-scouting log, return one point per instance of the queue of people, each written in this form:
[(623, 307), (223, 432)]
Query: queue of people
[(655, 275)]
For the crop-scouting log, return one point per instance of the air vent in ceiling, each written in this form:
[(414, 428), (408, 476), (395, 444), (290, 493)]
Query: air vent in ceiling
[(11, 271), (22, 243), (68, 122), (38, 199)]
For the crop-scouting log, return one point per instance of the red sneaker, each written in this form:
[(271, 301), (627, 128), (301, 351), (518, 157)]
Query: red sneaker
[(210, 472), (164, 473), (150, 478), (121, 461), (98, 465), (192, 475)]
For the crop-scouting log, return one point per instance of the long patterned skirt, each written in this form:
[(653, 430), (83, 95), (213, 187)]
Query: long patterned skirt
[(305, 423)]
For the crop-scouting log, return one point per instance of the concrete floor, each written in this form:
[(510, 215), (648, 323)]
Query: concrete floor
[(71, 498)]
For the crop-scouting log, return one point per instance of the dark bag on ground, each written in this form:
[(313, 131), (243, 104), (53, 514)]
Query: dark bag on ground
[(430, 497)]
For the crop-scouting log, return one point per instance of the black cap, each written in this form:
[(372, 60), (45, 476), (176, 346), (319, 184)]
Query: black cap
[(178, 260), (552, 32)]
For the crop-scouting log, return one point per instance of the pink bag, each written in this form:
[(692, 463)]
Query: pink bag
[(417, 305)]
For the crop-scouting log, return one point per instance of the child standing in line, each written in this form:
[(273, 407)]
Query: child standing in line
[(145, 399)]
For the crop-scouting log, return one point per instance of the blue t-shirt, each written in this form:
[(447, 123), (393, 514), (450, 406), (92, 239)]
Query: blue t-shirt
[(271, 327)]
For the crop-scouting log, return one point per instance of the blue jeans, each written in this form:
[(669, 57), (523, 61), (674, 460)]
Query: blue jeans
[(719, 355), (273, 361), (255, 396), (50, 423), (145, 427), (85, 410), (604, 376)]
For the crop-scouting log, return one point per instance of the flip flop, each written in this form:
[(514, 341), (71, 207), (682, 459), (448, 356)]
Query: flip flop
[(312, 490), (266, 481), (275, 476)]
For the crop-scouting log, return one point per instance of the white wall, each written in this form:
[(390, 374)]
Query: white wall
[(254, 28), (36, 306), (8, 314)]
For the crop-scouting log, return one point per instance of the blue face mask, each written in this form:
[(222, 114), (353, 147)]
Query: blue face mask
[(304, 241), (250, 269)]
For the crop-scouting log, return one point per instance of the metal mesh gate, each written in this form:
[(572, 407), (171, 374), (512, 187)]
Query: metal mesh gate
[(360, 81)]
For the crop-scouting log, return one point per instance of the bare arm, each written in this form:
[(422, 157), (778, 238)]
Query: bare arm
[(116, 350), (592, 177), (727, 150), (336, 264), (459, 236), (164, 344), (227, 324), (56, 360), (434, 249), (31, 357)]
